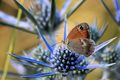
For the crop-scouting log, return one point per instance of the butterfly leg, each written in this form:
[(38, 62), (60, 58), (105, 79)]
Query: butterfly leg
[(10, 21)]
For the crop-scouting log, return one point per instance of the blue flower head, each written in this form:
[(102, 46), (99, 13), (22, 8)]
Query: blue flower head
[(64, 61), (61, 59), (111, 54)]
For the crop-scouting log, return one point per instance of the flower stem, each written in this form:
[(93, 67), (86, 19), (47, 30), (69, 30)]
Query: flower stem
[(12, 45)]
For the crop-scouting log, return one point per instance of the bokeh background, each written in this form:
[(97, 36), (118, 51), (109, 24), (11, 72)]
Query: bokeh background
[(90, 10)]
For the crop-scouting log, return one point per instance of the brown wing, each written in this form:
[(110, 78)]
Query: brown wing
[(82, 46), (80, 31), (73, 33)]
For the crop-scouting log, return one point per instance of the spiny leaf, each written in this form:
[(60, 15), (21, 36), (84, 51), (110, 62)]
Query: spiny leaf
[(92, 66), (40, 75), (31, 60), (65, 28), (100, 46), (79, 3), (16, 27), (53, 13), (28, 14)]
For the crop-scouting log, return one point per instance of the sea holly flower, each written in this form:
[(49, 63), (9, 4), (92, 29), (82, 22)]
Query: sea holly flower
[(62, 60), (25, 67), (116, 18), (45, 13), (110, 54)]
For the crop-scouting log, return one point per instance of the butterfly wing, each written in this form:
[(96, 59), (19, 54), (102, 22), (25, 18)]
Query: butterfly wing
[(80, 31), (82, 46)]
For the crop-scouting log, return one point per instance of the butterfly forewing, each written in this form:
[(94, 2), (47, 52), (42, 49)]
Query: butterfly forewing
[(79, 31)]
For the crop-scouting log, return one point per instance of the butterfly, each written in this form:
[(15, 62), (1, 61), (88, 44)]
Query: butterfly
[(79, 41)]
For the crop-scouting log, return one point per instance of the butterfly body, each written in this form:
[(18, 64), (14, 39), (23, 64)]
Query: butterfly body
[(78, 40)]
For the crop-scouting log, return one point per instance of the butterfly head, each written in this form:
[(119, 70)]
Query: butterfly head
[(83, 26)]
